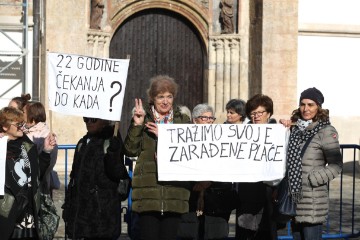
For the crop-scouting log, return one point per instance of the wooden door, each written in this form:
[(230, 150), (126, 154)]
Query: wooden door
[(160, 42)]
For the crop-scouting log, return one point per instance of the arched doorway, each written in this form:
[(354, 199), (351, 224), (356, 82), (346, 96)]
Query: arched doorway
[(160, 42)]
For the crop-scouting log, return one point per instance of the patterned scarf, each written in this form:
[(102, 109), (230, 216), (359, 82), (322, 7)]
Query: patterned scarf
[(167, 119), (298, 136)]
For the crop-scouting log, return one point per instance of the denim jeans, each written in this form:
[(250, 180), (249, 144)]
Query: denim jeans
[(306, 231)]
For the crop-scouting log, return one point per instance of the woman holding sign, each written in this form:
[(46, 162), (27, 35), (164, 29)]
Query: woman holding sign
[(211, 203), (159, 204), (25, 168), (308, 176), (255, 209)]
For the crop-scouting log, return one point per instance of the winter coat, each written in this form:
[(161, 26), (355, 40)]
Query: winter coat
[(148, 193), (37, 134), (92, 207), (12, 203), (321, 163)]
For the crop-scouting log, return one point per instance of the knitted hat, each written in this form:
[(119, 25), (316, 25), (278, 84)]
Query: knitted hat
[(313, 94)]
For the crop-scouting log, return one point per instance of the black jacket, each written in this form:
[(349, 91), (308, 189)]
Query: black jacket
[(12, 210), (92, 205)]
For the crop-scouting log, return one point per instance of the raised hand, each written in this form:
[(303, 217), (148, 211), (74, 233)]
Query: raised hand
[(49, 142), (139, 113)]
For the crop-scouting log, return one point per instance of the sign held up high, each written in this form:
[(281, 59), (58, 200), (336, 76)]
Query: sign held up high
[(221, 152), (87, 86)]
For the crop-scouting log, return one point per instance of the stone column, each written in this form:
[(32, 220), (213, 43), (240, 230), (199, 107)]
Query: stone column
[(227, 73), (212, 71), (273, 70), (235, 69), (219, 81)]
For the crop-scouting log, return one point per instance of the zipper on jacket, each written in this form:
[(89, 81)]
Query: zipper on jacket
[(162, 200)]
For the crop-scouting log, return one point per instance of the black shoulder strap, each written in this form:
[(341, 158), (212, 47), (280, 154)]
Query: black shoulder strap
[(306, 145)]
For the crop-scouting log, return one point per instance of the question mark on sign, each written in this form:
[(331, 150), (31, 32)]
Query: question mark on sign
[(117, 93)]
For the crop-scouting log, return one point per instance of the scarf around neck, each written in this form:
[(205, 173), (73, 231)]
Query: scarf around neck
[(167, 119), (294, 159)]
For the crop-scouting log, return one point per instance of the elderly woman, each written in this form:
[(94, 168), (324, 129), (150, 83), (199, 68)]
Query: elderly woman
[(209, 199), (23, 171), (235, 111), (159, 204), (255, 210), (308, 176)]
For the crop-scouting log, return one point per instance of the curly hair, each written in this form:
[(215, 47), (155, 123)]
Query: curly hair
[(8, 115), (161, 84), (322, 114)]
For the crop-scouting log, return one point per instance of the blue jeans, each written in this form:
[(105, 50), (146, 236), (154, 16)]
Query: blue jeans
[(306, 231)]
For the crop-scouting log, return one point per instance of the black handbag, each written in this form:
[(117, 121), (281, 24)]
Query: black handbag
[(284, 207)]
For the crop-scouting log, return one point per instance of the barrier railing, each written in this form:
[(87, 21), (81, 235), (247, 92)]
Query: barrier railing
[(339, 207)]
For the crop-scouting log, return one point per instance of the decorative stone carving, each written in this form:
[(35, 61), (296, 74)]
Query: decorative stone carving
[(226, 16), (97, 10)]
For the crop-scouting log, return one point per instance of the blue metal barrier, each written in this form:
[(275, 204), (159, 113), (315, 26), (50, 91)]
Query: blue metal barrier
[(328, 232)]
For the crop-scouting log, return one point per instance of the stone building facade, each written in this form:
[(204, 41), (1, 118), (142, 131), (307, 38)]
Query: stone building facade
[(258, 57)]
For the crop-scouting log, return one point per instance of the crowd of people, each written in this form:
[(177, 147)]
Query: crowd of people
[(165, 209)]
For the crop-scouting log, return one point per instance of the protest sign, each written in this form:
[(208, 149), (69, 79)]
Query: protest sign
[(3, 150), (87, 86), (221, 152)]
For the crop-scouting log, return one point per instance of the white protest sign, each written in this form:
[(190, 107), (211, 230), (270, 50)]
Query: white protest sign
[(3, 150), (221, 152), (87, 86)]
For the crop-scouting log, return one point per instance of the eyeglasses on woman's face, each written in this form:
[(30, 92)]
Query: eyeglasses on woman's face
[(18, 126), (206, 118), (258, 114), (92, 120)]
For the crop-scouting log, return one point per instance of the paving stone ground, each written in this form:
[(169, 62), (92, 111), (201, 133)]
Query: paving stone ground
[(345, 214)]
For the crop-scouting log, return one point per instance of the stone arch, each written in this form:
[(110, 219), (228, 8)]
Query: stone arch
[(195, 13)]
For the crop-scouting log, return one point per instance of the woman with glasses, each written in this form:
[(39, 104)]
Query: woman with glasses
[(309, 175), (255, 210), (92, 208), (209, 201), (159, 204), (24, 169)]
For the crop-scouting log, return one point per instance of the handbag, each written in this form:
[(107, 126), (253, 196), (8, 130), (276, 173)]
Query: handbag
[(48, 219), (284, 207)]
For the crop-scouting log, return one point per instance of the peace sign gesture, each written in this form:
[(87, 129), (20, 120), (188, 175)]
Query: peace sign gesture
[(139, 113)]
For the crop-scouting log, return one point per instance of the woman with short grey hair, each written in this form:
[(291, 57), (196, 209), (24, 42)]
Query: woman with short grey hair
[(199, 111)]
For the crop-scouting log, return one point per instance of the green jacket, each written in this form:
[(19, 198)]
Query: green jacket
[(148, 193)]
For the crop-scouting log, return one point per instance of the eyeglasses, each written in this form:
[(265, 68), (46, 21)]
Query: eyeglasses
[(206, 118), (92, 120), (253, 114), (18, 126)]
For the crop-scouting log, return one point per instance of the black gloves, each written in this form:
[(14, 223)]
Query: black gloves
[(114, 145)]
